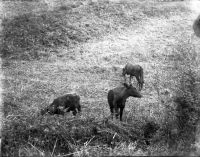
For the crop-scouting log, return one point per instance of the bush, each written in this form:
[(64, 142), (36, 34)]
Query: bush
[(187, 98)]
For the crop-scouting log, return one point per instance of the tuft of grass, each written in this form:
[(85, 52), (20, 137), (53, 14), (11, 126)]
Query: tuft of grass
[(64, 135)]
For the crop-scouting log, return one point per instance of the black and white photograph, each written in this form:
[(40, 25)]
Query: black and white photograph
[(98, 78)]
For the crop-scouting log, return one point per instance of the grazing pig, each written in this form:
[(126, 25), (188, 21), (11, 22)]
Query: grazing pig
[(117, 98), (62, 104), (134, 70)]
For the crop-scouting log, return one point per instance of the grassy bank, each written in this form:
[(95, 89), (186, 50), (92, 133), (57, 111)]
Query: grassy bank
[(32, 35)]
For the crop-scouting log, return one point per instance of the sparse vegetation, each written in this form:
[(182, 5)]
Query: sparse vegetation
[(81, 47)]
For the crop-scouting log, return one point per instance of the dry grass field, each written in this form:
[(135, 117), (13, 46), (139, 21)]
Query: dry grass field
[(52, 48)]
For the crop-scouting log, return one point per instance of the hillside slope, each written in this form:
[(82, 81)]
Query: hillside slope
[(92, 68)]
